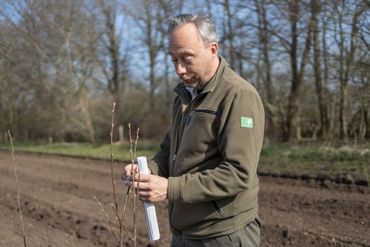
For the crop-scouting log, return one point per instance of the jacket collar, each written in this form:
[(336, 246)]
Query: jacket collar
[(185, 95)]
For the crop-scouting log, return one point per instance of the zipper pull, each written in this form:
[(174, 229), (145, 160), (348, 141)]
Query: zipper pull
[(219, 210), (174, 158)]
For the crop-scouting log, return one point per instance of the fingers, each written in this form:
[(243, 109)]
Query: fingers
[(127, 170), (136, 185), (141, 181), (144, 198), (147, 195), (151, 188)]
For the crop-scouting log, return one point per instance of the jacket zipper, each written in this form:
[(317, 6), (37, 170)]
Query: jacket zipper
[(174, 159), (206, 111), (183, 124), (219, 210)]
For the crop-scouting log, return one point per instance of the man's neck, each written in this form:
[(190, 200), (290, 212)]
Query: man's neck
[(213, 70)]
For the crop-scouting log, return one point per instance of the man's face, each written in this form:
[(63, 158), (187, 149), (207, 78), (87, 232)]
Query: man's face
[(191, 57)]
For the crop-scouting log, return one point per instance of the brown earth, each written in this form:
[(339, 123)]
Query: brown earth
[(59, 210)]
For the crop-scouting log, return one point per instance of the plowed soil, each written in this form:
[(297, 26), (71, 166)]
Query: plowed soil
[(59, 210)]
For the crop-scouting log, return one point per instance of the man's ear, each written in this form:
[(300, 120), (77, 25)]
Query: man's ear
[(214, 50)]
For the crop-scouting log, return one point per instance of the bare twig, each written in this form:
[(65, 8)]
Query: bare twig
[(122, 226), (133, 171), (137, 138), (18, 196), (119, 219), (131, 152), (112, 159), (136, 194), (124, 212), (107, 218), (133, 174)]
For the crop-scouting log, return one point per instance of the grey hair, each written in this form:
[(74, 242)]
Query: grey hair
[(203, 22)]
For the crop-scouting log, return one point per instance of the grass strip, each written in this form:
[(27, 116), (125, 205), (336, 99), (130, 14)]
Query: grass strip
[(87, 150), (344, 164)]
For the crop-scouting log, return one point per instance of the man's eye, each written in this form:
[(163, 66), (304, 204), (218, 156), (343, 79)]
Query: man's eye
[(187, 60)]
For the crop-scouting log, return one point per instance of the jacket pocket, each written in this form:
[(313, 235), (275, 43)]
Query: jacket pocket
[(208, 112), (211, 112)]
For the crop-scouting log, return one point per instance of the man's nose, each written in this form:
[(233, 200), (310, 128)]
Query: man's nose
[(180, 69)]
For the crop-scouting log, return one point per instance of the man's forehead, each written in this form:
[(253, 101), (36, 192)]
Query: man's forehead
[(180, 51), (184, 46)]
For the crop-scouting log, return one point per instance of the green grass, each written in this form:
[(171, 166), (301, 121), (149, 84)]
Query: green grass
[(312, 161), (121, 152), (316, 161)]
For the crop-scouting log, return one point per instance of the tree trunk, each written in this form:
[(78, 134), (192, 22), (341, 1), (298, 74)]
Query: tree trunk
[(330, 121), (85, 108), (263, 35), (113, 48), (320, 89), (230, 35), (346, 69), (293, 116)]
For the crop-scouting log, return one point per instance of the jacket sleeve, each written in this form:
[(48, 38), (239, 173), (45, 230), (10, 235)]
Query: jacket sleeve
[(159, 164), (239, 140)]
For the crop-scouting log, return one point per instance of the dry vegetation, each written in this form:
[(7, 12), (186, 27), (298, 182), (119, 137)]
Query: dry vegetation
[(62, 63)]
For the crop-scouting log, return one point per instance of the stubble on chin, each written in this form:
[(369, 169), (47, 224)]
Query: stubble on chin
[(192, 85)]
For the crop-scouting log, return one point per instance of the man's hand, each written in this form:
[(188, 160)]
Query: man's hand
[(127, 172), (151, 188)]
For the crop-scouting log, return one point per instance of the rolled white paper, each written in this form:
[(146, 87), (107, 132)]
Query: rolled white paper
[(151, 216)]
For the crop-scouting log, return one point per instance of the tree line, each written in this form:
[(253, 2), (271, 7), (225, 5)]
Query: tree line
[(63, 63)]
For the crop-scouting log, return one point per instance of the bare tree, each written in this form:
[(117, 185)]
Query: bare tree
[(229, 35), (59, 60), (265, 72), (115, 54), (320, 87), (150, 18), (347, 53), (298, 66), (57, 45)]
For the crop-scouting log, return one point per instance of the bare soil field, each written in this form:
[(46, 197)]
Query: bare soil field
[(59, 209)]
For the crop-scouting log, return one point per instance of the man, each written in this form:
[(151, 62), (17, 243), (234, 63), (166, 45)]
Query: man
[(207, 164)]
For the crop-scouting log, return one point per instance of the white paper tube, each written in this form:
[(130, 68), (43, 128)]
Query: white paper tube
[(151, 216)]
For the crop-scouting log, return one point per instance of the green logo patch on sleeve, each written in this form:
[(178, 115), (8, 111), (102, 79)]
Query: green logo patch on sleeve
[(246, 122)]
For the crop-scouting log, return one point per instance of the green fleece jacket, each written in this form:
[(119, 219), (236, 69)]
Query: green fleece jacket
[(210, 157)]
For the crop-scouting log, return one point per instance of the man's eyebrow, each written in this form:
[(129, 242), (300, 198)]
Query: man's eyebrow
[(182, 52)]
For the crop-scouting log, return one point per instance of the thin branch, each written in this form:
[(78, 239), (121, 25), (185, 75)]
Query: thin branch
[(133, 173), (107, 218), (136, 140), (112, 160), (136, 195), (18, 197), (121, 226), (124, 208)]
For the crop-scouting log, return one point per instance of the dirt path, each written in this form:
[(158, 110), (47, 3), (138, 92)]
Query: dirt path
[(56, 196)]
